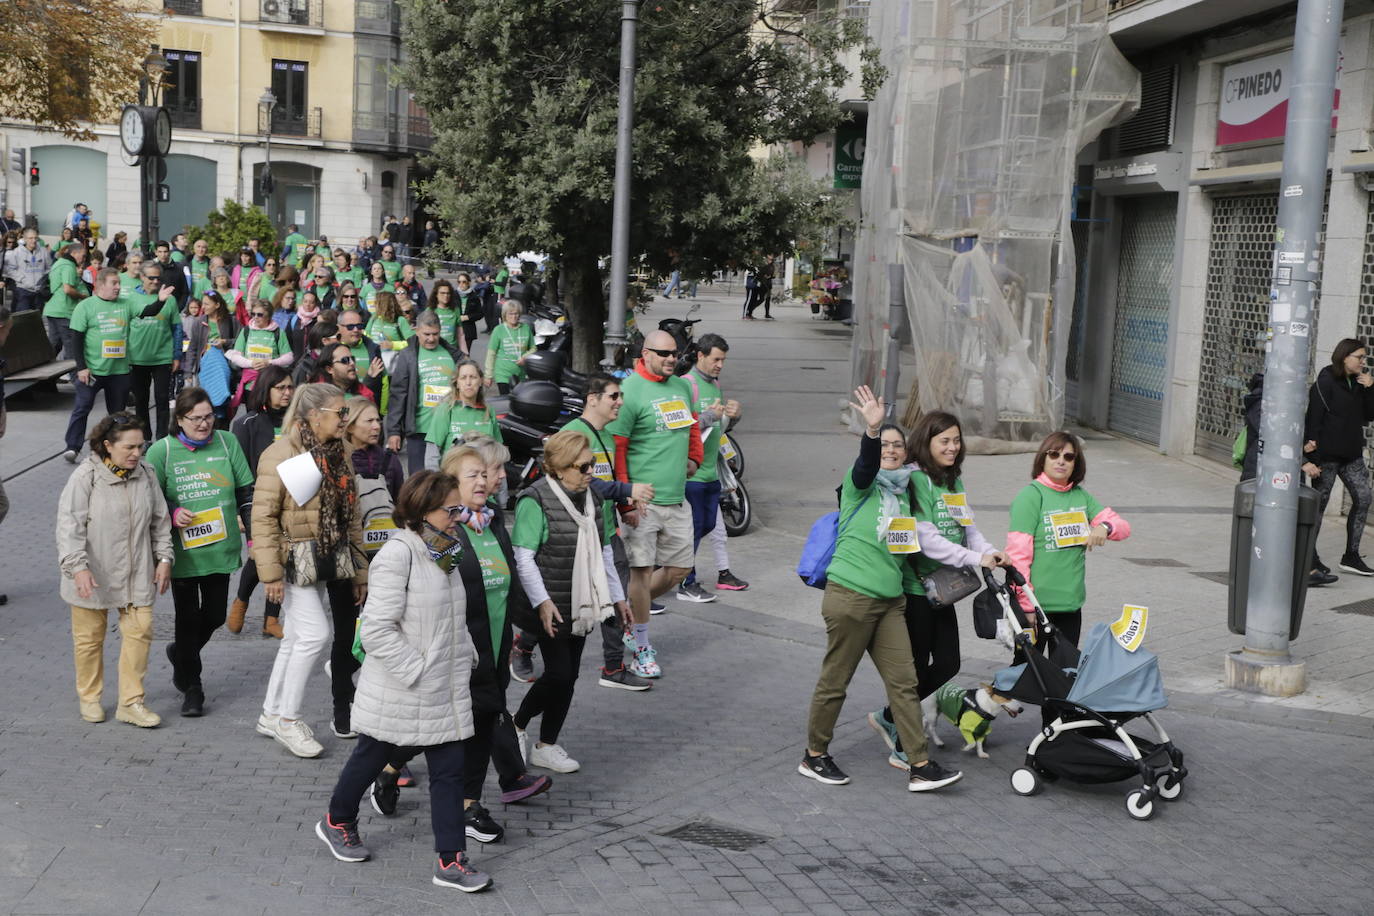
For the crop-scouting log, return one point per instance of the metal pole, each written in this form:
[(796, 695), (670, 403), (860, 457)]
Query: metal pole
[(1296, 273), (620, 208), (153, 163), (896, 321), (144, 168)]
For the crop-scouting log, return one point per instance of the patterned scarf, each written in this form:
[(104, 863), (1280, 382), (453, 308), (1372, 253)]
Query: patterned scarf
[(444, 548), (476, 519), (338, 496), (121, 473)]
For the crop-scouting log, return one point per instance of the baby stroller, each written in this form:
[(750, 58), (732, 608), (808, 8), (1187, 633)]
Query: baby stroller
[(1088, 698)]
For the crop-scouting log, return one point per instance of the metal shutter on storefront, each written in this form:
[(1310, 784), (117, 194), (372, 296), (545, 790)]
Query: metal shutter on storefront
[(1141, 347)]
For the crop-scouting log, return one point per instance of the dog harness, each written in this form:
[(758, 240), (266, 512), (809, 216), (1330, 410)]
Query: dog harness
[(957, 705)]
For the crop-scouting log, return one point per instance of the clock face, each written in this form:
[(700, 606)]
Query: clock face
[(131, 130), (162, 131)]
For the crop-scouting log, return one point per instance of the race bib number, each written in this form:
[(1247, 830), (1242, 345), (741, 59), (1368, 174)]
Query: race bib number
[(112, 349), (901, 536), (1070, 528), (185, 346), (601, 469), (674, 414), (956, 504), (377, 533), (433, 394), (726, 449), (259, 351), (206, 528), (1129, 630)]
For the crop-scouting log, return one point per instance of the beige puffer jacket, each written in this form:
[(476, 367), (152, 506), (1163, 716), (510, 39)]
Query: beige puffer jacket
[(278, 520), (116, 527), (413, 689)]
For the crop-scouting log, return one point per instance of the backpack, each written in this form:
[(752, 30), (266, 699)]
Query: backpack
[(1239, 446), (819, 548), (374, 509)]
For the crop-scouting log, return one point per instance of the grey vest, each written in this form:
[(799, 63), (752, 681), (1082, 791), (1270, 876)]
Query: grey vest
[(555, 558)]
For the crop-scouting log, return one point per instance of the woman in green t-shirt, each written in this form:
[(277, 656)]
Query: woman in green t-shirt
[(445, 305), (377, 283), (464, 410), (205, 477), (1054, 523), (865, 601), (948, 537), (507, 347)]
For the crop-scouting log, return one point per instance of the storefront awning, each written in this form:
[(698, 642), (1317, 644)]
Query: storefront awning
[(1237, 174)]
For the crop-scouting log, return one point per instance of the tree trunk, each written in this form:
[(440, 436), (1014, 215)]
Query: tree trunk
[(587, 309)]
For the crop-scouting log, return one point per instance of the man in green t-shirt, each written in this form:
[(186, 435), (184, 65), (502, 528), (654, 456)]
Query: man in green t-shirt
[(390, 265), (367, 356), (293, 247), (657, 441), (421, 377), (198, 267), (100, 339), (154, 345)]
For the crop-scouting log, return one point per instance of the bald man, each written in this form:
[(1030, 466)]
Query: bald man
[(658, 442)]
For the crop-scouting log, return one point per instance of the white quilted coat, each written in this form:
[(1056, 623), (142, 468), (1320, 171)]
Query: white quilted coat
[(413, 687)]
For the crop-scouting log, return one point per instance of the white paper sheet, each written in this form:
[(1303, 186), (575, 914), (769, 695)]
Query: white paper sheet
[(301, 477)]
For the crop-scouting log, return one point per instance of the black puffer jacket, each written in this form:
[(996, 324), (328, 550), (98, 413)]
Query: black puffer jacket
[(1338, 407)]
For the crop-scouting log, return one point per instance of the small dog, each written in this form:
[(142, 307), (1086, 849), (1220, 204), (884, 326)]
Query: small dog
[(971, 709)]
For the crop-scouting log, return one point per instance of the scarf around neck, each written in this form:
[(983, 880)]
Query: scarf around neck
[(591, 593), (338, 496), (194, 444), (444, 549), (121, 473), (890, 483)]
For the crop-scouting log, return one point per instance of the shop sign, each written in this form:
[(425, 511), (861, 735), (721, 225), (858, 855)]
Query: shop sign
[(849, 155), (1254, 98)]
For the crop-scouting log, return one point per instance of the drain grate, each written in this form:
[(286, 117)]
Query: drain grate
[(1221, 578), (1364, 606), (1154, 561), (717, 836)]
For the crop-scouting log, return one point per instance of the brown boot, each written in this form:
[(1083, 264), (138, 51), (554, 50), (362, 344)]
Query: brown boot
[(237, 610), (271, 626)]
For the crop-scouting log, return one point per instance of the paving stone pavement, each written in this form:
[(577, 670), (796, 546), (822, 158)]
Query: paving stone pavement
[(204, 816)]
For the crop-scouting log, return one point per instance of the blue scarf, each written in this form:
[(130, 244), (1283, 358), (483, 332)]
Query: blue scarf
[(890, 484), (194, 444)]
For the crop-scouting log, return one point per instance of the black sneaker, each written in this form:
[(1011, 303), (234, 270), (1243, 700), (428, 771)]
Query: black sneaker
[(623, 680), (385, 794), (343, 840), (522, 665), (1318, 578), (1354, 563), (193, 704), (479, 825), (822, 769), (730, 582), (1318, 565), (931, 776), (460, 875)]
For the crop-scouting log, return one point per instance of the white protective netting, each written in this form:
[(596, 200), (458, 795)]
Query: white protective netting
[(967, 183)]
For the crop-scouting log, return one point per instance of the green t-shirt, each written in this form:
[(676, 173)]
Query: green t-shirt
[(432, 387), (127, 283), (394, 331), (266, 291), (707, 393), (367, 293), (1058, 524), (150, 339), (177, 256), (106, 326), (262, 343), (392, 269), (204, 482), (944, 508), (657, 419), (295, 245), (509, 344), (354, 275), (448, 324), (499, 282), (200, 286), (59, 305), (496, 579), (200, 270), (602, 445), (532, 525), (453, 420), (863, 560)]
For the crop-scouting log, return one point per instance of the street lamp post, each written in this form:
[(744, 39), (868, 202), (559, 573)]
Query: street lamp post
[(266, 102), (620, 207), (150, 93)]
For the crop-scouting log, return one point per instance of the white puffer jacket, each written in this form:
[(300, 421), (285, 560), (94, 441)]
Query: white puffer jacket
[(413, 687)]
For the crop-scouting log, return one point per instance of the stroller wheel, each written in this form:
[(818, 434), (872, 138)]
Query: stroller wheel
[(1140, 805), (1170, 788), (1025, 781)]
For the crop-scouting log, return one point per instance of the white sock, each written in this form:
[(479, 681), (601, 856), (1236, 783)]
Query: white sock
[(640, 631)]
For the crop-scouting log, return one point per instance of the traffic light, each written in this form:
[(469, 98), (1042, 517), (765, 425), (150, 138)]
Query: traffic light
[(33, 173), (19, 160), (268, 184)]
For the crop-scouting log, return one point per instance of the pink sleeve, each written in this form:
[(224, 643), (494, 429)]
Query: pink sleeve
[(238, 359), (285, 360), (1021, 550), (1120, 528)]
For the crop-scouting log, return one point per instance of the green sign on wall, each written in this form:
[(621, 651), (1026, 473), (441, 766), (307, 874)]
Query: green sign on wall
[(849, 155)]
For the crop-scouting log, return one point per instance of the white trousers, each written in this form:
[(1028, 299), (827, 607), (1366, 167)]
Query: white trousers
[(308, 631)]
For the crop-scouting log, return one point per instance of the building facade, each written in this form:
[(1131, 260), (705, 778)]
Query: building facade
[(343, 137), (1177, 211)]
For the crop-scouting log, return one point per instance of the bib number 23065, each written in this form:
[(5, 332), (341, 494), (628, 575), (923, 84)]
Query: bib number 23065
[(674, 414), (901, 536)]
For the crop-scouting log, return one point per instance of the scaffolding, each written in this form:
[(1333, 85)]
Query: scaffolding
[(972, 144)]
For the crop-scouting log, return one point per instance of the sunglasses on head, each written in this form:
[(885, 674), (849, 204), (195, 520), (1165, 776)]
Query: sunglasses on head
[(1055, 454), (663, 353)]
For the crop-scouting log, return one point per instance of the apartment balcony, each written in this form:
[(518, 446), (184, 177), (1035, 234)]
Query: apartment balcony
[(186, 117), (1136, 25), (307, 124), (377, 17), (183, 7), (390, 133), (299, 17)]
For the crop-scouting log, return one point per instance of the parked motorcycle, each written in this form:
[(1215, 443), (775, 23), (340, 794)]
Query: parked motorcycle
[(533, 411)]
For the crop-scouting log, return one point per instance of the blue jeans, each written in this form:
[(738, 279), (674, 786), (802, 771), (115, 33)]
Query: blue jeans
[(116, 388), (704, 498)]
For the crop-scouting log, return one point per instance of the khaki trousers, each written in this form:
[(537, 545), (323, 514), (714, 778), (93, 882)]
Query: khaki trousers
[(88, 644), (855, 624)]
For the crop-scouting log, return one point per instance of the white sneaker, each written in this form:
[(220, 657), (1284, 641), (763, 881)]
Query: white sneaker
[(267, 725), (297, 738), (70, 456), (524, 742), (552, 757)]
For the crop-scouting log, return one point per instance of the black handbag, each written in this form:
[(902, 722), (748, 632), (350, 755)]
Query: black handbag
[(950, 584), (987, 610)]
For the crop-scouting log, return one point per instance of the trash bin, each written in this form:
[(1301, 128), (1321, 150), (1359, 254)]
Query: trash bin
[(1242, 526)]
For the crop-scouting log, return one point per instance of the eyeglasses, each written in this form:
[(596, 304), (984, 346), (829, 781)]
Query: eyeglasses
[(613, 395), (261, 314), (454, 511), (585, 467), (200, 420), (284, 386), (342, 411), (893, 443), (1055, 454), (353, 327), (663, 353), (346, 360), (349, 296)]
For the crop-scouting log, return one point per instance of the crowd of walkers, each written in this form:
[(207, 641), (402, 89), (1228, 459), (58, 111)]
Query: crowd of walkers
[(350, 453)]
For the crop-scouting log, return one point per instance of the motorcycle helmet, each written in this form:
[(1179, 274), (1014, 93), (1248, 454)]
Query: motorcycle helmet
[(536, 400)]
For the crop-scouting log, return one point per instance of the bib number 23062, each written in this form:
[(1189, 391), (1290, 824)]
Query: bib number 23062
[(1070, 528), (901, 536)]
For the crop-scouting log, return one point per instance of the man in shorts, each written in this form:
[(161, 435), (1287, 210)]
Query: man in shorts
[(657, 442)]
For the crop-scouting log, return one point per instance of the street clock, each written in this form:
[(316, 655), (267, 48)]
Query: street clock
[(145, 130)]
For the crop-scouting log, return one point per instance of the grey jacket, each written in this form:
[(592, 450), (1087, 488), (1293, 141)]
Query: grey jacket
[(413, 687), (405, 388), (26, 268), (118, 528)]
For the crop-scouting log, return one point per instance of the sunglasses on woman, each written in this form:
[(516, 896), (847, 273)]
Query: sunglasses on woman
[(341, 411), (585, 467), (1055, 454)]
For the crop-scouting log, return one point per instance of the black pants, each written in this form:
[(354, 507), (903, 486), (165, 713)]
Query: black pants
[(248, 580), (342, 664), (200, 603), (493, 741), (470, 333), (550, 697), (116, 388), (160, 377), (445, 787), (415, 453), (503, 387), (934, 634)]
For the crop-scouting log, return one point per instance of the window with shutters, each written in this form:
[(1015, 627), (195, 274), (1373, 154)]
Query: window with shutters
[(1152, 127), (289, 85), (181, 88)]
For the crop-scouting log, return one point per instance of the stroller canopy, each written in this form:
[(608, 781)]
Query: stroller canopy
[(1111, 679)]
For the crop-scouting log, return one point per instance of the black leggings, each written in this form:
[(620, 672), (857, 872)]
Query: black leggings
[(342, 664), (1355, 476), (200, 603), (550, 697), (934, 634), (248, 581)]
